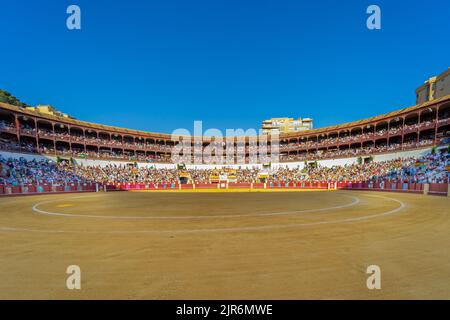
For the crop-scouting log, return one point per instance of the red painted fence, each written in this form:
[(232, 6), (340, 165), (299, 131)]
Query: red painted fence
[(438, 189), (199, 186), (46, 188), (388, 186), (434, 188)]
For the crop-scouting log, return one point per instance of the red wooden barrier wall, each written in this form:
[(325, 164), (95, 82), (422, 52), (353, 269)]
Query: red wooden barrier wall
[(206, 186), (44, 188), (436, 188), (258, 186), (233, 185)]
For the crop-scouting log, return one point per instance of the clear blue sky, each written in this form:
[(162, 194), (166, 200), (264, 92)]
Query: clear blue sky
[(160, 65)]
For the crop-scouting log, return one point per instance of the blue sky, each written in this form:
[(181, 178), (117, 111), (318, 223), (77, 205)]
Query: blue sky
[(160, 65)]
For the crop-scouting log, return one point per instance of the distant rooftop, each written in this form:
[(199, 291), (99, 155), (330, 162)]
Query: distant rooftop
[(48, 109)]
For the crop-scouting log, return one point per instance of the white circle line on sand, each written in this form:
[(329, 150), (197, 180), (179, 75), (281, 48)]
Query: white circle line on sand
[(36, 209), (401, 206)]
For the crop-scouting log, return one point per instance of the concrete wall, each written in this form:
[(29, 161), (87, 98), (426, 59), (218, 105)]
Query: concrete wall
[(28, 157), (404, 154), (434, 88), (422, 94), (442, 85)]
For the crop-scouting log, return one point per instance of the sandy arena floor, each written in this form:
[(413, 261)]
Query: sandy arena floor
[(283, 245)]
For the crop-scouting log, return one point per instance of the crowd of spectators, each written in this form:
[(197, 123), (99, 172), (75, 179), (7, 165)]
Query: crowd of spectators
[(351, 152), (428, 169), (112, 174), (21, 171), (432, 168), (346, 139), (6, 125), (165, 157)]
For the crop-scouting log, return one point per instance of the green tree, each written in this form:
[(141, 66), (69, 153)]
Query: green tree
[(8, 98)]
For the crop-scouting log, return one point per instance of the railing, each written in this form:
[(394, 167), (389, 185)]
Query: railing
[(442, 189), (220, 185), (388, 186), (46, 188)]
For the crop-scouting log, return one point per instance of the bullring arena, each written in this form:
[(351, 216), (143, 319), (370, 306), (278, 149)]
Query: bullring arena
[(240, 245), (373, 192)]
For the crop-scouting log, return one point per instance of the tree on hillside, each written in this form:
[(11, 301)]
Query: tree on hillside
[(6, 97)]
